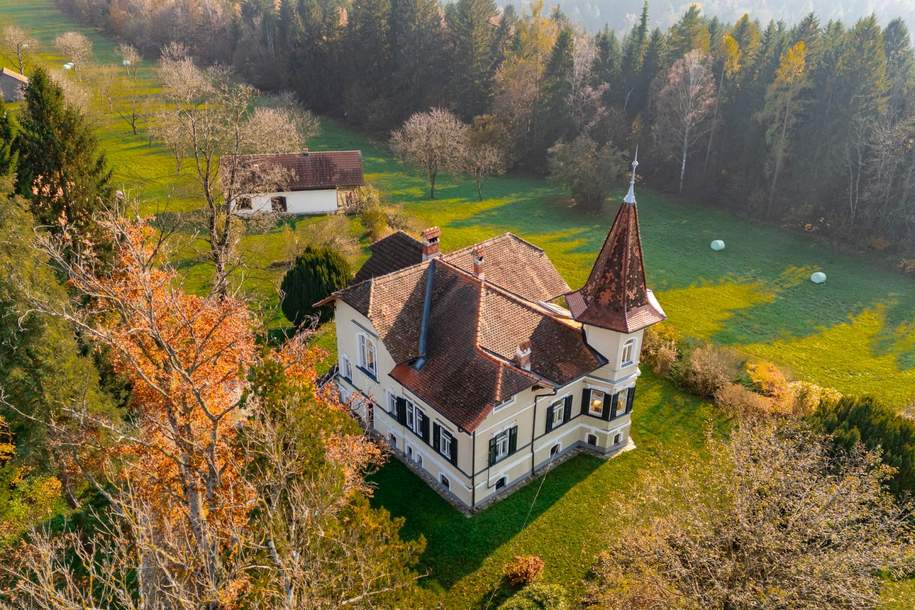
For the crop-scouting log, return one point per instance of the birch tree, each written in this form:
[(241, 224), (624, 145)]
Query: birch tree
[(684, 105)]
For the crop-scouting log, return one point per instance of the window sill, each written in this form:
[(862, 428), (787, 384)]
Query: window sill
[(368, 374)]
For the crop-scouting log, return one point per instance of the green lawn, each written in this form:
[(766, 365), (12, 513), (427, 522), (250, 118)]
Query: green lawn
[(856, 332), (568, 521)]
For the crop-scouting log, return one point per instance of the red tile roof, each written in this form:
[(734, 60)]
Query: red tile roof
[(394, 252), (511, 263), (616, 296), (475, 328), (312, 170)]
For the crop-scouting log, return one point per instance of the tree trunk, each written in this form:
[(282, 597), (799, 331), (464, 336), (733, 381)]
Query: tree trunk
[(683, 163), (432, 176), (479, 182)]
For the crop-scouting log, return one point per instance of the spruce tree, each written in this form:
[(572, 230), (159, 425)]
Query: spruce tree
[(472, 61), (60, 169), (7, 140)]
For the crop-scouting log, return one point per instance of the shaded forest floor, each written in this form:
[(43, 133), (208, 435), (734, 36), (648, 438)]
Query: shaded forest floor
[(855, 333)]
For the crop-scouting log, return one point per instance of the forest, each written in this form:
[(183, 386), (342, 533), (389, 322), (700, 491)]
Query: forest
[(809, 126)]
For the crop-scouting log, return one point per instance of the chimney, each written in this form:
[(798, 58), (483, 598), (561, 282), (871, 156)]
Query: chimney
[(430, 242), (478, 262), (523, 356)]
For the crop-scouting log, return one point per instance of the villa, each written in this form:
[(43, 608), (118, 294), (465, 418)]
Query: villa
[(480, 367)]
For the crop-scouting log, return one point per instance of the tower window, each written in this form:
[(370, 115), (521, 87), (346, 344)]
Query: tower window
[(628, 353)]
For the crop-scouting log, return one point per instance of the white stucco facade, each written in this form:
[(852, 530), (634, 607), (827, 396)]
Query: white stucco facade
[(304, 203), (473, 478)]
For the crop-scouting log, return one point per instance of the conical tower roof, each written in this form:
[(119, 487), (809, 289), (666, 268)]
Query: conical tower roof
[(615, 296)]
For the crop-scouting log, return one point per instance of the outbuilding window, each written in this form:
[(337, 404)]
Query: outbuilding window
[(278, 204), (244, 203)]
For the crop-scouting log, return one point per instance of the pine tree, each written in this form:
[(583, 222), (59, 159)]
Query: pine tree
[(689, 33), (60, 169), (369, 50), (900, 67), (7, 141), (631, 64), (417, 60), (472, 60)]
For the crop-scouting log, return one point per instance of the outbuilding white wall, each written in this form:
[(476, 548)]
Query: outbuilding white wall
[(297, 202)]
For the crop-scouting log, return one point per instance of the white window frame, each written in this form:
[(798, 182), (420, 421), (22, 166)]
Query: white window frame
[(559, 413), (392, 402), (444, 438), (502, 438), (413, 417), (628, 356), (599, 411), (366, 346), (347, 367)]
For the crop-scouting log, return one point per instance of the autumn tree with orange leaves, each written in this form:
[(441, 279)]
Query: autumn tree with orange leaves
[(233, 479)]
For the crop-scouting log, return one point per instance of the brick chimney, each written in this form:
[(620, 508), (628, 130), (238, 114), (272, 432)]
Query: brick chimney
[(430, 242), (523, 356), (478, 262)]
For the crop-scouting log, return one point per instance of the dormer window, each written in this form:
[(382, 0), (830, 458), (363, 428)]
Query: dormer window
[(628, 353)]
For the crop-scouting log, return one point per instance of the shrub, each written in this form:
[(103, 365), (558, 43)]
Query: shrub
[(770, 380), (809, 396), (364, 198), (660, 349), (523, 570), (742, 402), (316, 273), (375, 221), (537, 597), (708, 368), (853, 420)]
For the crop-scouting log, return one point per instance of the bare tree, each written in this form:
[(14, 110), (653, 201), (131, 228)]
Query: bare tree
[(75, 47), (684, 104), (210, 121), (585, 100), (480, 161), (775, 519), (20, 44), (433, 140), (130, 58)]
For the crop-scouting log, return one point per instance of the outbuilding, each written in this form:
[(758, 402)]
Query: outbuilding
[(12, 85)]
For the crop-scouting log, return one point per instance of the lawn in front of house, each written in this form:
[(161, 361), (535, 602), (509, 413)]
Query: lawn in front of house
[(565, 516)]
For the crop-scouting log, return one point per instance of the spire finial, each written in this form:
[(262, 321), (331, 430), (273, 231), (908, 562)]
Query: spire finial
[(630, 196)]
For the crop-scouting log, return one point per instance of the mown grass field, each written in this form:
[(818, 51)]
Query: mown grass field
[(856, 332)]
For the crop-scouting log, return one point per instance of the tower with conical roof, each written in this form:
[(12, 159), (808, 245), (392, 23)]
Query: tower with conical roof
[(615, 305)]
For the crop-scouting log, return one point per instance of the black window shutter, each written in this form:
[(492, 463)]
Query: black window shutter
[(614, 406), (630, 399), (453, 456), (423, 427), (585, 401), (549, 418), (568, 409), (401, 410), (608, 406), (492, 451), (436, 434), (512, 439)]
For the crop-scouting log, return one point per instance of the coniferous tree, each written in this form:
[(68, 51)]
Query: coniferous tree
[(900, 68), (60, 169), (473, 63), (418, 66), (689, 33), (7, 141)]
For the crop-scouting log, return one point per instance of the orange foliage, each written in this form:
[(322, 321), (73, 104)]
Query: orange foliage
[(186, 357)]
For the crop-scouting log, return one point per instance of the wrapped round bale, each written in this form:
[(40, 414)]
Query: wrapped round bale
[(717, 245), (818, 277)]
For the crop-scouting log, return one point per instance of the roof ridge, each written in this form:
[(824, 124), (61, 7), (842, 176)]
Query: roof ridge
[(492, 239)]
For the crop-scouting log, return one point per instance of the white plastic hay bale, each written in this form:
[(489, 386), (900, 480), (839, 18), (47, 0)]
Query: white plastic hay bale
[(818, 277), (68, 65), (717, 245)]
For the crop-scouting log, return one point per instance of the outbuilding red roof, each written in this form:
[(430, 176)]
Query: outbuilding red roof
[(309, 170)]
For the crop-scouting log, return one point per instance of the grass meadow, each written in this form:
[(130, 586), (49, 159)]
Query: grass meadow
[(855, 333)]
